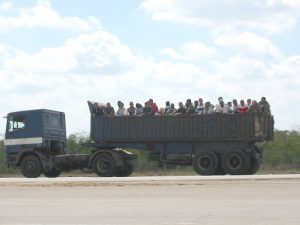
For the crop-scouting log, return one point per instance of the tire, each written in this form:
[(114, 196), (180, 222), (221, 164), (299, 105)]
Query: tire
[(31, 166), (255, 165), (127, 171), (104, 165), (205, 163), (236, 162), (219, 170), (86, 170), (52, 173)]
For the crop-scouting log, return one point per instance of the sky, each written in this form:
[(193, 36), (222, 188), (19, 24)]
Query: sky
[(59, 54)]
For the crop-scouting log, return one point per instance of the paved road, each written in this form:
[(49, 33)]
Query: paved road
[(234, 200)]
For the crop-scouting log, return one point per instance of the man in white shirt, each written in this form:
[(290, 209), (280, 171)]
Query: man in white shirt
[(221, 108), (200, 106), (121, 111)]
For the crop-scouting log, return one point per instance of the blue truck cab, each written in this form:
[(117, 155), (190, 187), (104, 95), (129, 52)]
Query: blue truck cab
[(35, 142), (38, 132)]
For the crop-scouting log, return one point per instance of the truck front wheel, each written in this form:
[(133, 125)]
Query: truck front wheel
[(52, 173), (205, 163), (126, 171), (31, 166), (104, 165)]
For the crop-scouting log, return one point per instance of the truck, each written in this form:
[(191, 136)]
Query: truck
[(213, 144)]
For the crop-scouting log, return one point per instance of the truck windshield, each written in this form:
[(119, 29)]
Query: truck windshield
[(16, 123)]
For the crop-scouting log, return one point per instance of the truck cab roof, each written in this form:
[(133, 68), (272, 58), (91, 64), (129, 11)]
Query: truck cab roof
[(32, 111), (35, 123)]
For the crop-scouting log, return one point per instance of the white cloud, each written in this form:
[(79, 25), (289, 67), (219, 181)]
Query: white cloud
[(249, 44), (270, 16), (2, 48), (240, 69), (6, 6), (288, 69), (43, 16), (99, 52), (249, 78), (190, 51)]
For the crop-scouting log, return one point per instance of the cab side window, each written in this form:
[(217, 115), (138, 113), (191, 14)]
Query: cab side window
[(16, 123), (52, 121)]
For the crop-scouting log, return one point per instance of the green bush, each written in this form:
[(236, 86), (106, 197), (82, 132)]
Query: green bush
[(283, 151), (3, 168)]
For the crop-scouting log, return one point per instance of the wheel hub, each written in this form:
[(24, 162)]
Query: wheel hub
[(204, 162), (30, 166), (235, 162), (103, 165)]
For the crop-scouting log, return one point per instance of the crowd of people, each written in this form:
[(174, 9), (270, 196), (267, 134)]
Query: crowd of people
[(196, 107)]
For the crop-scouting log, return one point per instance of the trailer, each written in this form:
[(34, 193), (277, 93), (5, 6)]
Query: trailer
[(214, 144)]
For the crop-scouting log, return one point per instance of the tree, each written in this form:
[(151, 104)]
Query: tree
[(284, 150)]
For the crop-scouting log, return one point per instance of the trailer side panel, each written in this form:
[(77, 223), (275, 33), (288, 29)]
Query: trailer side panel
[(212, 127)]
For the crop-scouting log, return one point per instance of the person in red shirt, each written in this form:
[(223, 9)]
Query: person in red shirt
[(242, 108), (153, 106)]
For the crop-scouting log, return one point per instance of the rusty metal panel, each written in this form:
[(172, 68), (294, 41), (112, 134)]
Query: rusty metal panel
[(114, 133), (202, 129), (214, 127), (235, 121), (209, 126), (140, 128), (132, 129), (177, 127), (170, 127), (252, 126), (223, 127), (196, 124), (158, 124)]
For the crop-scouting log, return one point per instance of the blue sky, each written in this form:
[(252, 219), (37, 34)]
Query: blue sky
[(58, 54)]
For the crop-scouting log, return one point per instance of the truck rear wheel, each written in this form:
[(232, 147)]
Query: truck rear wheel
[(104, 165), (52, 173), (31, 166), (126, 171), (235, 162), (205, 163), (219, 170)]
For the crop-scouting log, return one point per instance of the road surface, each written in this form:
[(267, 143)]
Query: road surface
[(181, 200)]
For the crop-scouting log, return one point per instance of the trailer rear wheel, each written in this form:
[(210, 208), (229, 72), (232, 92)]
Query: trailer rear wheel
[(205, 163), (255, 165), (104, 165), (31, 166), (52, 173), (235, 162), (219, 171)]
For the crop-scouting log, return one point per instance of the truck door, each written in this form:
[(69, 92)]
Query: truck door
[(19, 132), (16, 136)]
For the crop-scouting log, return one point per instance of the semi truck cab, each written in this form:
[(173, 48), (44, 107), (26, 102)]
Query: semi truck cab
[(35, 141), (39, 132)]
